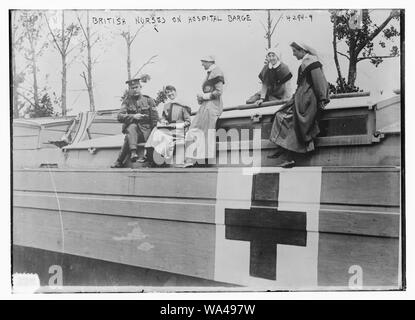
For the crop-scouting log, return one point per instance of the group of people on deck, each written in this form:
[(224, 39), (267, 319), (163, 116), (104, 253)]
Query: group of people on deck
[(141, 122), (295, 124)]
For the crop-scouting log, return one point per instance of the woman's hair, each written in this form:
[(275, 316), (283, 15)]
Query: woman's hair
[(169, 88)]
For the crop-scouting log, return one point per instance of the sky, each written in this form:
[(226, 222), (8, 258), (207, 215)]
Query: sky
[(179, 40)]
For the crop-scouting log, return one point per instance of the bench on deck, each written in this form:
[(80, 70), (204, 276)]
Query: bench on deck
[(349, 119)]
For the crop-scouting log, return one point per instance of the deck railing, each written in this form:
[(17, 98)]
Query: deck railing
[(281, 102), (265, 104)]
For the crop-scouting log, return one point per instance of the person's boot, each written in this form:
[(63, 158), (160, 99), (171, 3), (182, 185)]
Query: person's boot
[(287, 164), (287, 160), (277, 153), (147, 157), (188, 163), (117, 164), (142, 159), (133, 156)]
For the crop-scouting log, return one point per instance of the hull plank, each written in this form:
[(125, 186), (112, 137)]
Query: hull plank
[(371, 221), (193, 184), (387, 153), (342, 200), (196, 210), (361, 186), (259, 258), (177, 247), (374, 260), (92, 275)]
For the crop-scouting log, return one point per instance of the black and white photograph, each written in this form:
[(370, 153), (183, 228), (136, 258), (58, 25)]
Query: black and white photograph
[(207, 150)]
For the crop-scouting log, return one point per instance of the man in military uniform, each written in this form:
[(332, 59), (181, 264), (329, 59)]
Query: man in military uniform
[(139, 116)]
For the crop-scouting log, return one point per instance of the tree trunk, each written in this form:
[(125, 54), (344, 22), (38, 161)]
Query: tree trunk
[(336, 59), (34, 72), (14, 71), (63, 54), (90, 85), (35, 85), (14, 92), (63, 94), (129, 61), (15, 83), (269, 29), (128, 56), (353, 54), (351, 79)]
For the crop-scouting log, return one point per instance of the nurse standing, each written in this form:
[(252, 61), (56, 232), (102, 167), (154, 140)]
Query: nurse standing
[(200, 139)]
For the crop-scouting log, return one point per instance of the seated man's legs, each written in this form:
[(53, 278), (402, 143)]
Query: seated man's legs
[(132, 136), (148, 155), (119, 163), (130, 145)]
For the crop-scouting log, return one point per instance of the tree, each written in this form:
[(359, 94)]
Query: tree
[(149, 61), (33, 49), (62, 40), (90, 41), (129, 40), (270, 28), (17, 77), (161, 96), (44, 108), (360, 43)]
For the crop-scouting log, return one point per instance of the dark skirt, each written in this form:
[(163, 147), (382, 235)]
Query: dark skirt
[(295, 130)]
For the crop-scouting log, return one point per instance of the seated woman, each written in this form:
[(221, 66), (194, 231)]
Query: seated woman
[(296, 123), (174, 122), (274, 77)]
